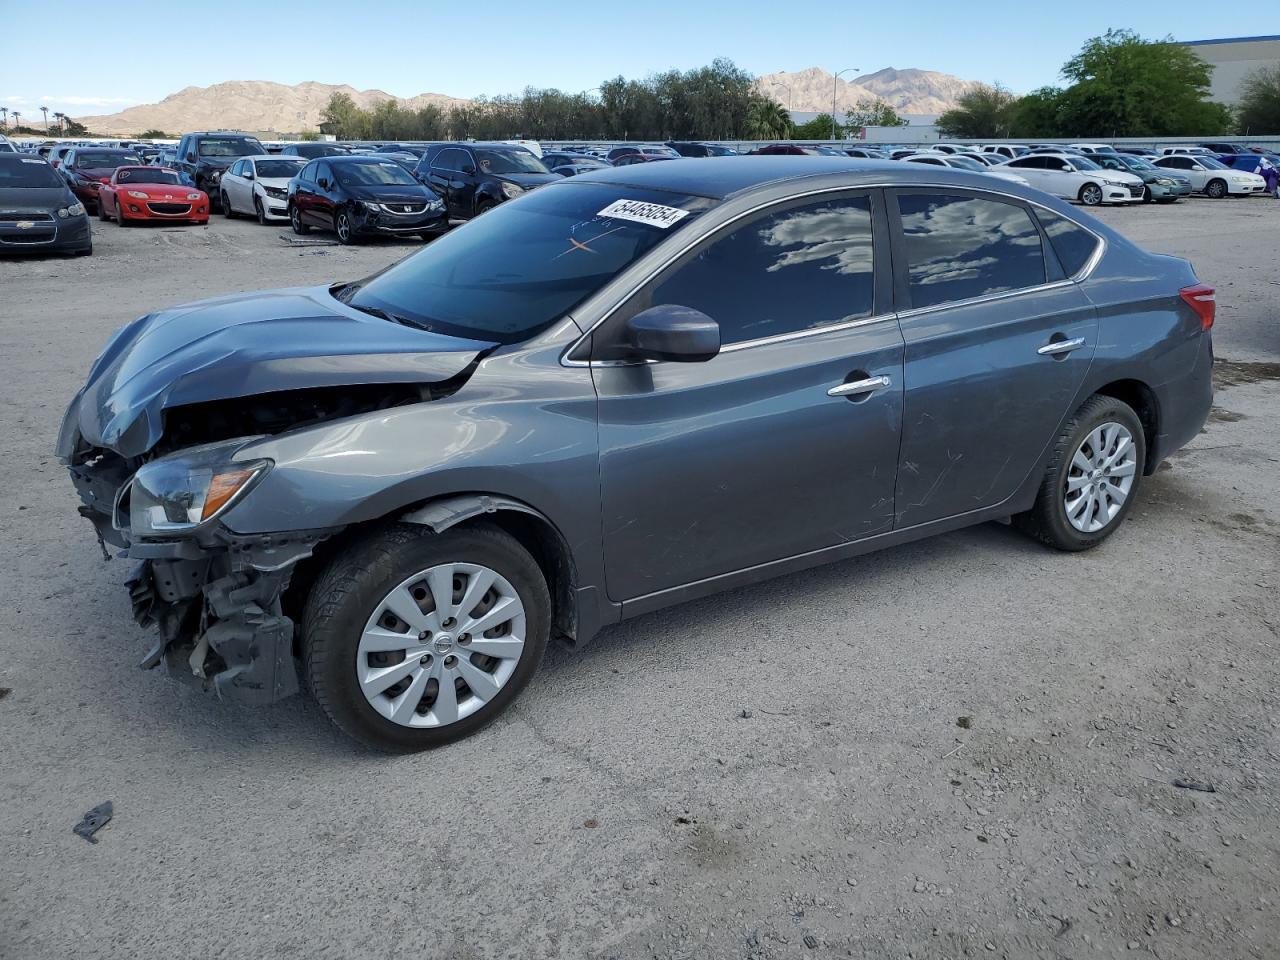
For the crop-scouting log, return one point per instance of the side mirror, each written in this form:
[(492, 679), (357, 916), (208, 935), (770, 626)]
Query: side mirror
[(675, 333), (248, 174)]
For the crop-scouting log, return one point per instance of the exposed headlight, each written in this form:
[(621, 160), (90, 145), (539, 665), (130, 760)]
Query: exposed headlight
[(275, 193), (371, 206), (193, 196), (510, 190), (180, 493), (137, 194), (435, 204)]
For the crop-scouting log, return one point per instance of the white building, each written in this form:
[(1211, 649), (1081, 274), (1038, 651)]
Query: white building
[(1233, 59)]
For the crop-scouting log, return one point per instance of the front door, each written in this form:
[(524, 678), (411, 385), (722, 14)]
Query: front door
[(997, 346), (768, 450)]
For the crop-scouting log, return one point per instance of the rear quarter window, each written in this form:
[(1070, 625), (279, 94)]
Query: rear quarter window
[(1073, 244)]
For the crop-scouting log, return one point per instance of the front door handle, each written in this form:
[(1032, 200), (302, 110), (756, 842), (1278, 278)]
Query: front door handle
[(1057, 347), (869, 385)]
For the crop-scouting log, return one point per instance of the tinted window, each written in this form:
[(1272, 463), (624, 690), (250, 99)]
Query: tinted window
[(230, 147), (514, 160), (963, 247), (524, 264), (803, 267), (18, 171), (1073, 244), (277, 169), (308, 172), (1028, 163), (147, 176), (91, 160)]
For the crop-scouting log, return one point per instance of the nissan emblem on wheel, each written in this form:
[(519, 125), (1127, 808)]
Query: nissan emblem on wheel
[(614, 393)]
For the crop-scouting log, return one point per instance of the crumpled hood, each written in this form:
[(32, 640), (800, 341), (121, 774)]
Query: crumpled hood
[(241, 346)]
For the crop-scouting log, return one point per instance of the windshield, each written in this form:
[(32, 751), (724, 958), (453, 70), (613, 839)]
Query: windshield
[(525, 264), (509, 161), (1080, 163), (16, 171), (277, 169), (1133, 163), (96, 161), (230, 147), (147, 176), (1212, 163), (372, 173), (313, 150)]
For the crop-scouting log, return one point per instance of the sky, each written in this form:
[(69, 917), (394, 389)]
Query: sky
[(499, 47)]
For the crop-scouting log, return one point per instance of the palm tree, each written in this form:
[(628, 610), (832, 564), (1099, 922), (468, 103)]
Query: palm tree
[(17, 119), (45, 111), (62, 122), (768, 120), (4, 112)]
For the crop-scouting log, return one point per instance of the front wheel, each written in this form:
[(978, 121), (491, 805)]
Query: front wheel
[(226, 206), (1146, 195), (295, 221), (414, 639), (342, 227), (1092, 477), (259, 212), (1091, 195), (1216, 190)]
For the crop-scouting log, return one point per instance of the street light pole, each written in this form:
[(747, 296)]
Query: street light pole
[(834, 81)]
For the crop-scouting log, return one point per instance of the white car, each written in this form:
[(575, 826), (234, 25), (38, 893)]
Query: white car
[(1006, 150), (1193, 151), (1093, 147), (1076, 177), (1212, 177), (258, 186), (966, 163)]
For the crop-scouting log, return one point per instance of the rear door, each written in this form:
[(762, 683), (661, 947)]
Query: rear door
[(710, 468), (998, 342)]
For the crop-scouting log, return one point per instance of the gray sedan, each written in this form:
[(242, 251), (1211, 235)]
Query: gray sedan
[(619, 392)]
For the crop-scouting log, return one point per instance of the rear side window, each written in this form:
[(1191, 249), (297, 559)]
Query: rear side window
[(803, 267), (1073, 244), (962, 247)]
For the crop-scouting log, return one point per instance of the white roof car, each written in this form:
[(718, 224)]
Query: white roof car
[(1093, 147), (533, 146), (1212, 177), (1194, 151), (258, 186), (1076, 177), (1009, 150), (959, 162)]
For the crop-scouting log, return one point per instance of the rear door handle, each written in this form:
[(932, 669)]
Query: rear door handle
[(869, 385), (1061, 346)]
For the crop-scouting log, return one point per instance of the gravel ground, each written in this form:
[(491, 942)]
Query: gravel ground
[(962, 747)]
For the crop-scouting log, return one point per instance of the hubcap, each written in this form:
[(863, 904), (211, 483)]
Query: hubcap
[(1100, 477), (441, 645), (343, 228)]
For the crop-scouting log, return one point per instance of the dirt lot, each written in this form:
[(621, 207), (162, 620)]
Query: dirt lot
[(963, 747)]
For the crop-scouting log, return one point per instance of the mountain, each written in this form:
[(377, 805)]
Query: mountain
[(253, 105), (907, 91)]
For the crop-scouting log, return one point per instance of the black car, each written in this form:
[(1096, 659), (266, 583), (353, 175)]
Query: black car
[(688, 148), (38, 211), (313, 151), (417, 149), (475, 177), (571, 164), (205, 157), (361, 196), (87, 168)]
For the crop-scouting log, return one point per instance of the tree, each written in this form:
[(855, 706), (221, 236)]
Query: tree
[(819, 128), (154, 134), (1259, 110), (983, 113), (1038, 114), (873, 113), (73, 128), (768, 120), (1125, 86)]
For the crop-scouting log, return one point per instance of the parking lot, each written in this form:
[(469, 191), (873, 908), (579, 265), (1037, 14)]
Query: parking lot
[(962, 747)]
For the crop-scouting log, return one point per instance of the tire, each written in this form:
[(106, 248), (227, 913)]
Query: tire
[(1091, 195), (428, 237), (86, 252), (1146, 194), (1216, 189), (295, 221), (261, 214), (342, 227), (484, 206), (1048, 520), (120, 218), (225, 202), (102, 211), (357, 584)]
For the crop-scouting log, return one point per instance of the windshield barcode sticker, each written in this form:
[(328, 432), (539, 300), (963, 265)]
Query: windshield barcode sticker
[(654, 214)]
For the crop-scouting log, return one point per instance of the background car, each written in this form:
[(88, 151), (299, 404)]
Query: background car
[(786, 150), (864, 153), (1212, 177), (474, 177), (959, 161), (571, 164), (1161, 186), (88, 168), (6, 145), (634, 158), (687, 148), (1092, 148), (206, 155), (363, 196), (141, 193), (631, 149), (259, 186), (38, 211), (1076, 177), (312, 150), (1006, 150)]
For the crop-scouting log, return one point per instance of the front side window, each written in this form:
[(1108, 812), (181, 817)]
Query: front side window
[(805, 266), (308, 173), (962, 247)]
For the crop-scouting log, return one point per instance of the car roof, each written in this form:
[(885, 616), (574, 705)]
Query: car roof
[(721, 177)]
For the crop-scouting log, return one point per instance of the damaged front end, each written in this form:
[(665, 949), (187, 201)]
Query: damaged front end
[(214, 596)]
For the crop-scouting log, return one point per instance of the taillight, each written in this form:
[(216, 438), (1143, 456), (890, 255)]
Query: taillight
[(1200, 298)]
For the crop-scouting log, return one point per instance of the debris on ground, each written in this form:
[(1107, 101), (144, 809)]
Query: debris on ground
[(93, 821), (309, 242), (5, 691), (1194, 785), (964, 723)]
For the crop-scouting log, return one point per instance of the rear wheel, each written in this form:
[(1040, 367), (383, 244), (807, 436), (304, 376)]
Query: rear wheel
[(1216, 189), (295, 221), (413, 639), (1091, 195), (1092, 477)]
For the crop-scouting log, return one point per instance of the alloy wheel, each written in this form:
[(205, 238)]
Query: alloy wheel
[(343, 227), (441, 645), (1091, 195), (1100, 477)]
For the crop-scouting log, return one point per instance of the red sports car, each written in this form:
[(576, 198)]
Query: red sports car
[(150, 193)]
